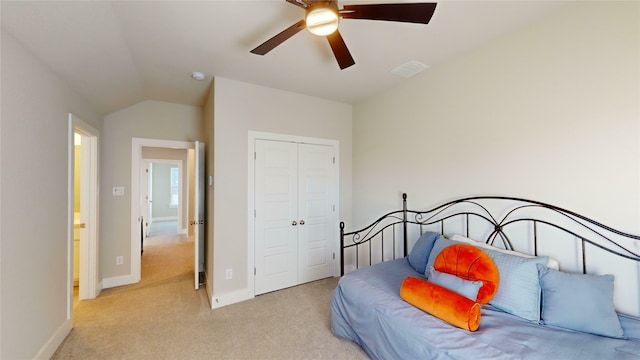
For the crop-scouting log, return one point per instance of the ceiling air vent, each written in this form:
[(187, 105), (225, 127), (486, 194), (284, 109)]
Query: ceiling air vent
[(409, 68)]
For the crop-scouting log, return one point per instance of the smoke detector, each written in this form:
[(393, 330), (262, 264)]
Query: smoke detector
[(198, 76)]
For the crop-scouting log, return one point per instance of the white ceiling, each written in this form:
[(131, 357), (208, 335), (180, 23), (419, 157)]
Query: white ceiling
[(122, 52)]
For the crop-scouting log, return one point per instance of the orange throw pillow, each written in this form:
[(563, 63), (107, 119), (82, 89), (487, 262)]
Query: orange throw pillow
[(442, 303), (470, 263)]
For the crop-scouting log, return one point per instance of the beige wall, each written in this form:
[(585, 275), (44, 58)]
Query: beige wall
[(550, 113), (33, 237), (241, 107), (150, 120)]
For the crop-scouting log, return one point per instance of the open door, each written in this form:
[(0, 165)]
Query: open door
[(145, 200), (198, 218), (83, 216)]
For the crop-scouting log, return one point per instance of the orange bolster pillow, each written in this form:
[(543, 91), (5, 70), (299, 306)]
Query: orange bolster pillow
[(442, 303), (470, 263)]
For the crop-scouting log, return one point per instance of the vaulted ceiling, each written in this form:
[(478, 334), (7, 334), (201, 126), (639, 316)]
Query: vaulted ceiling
[(118, 53)]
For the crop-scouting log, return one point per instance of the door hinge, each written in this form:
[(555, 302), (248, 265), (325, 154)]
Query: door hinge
[(334, 208), (254, 213), (254, 271), (334, 159), (334, 256), (255, 156)]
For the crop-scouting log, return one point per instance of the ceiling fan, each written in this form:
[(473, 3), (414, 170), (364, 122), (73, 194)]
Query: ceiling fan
[(322, 19)]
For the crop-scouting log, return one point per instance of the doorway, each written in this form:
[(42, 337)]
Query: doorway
[(83, 210), (163, 184), (193, 220)]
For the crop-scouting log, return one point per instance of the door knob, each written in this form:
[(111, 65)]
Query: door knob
[(294, 223), (301, 222)]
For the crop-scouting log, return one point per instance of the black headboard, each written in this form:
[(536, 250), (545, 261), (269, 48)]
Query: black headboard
[(492, 219)]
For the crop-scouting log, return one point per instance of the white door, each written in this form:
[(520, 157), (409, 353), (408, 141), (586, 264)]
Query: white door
[(315, 212), (85, 221), (276, 244), (198, 222), (145, 197), (293, 217), (88, 249)]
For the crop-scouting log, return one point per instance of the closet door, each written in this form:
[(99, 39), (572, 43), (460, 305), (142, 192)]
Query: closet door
[(315, 212), (295, 219), (276, 201)]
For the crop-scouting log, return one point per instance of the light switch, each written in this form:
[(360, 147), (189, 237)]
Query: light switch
[(118, 191)]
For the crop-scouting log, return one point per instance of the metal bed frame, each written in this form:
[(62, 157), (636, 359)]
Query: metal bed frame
[(371, 238)]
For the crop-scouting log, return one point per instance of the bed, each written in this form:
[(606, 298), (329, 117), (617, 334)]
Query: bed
[(595, 320)]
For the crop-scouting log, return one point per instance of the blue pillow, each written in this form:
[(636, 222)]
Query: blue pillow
[(630, 326), (437, 247), (466, 288), (421, 250), (519, 289), (579, 302)]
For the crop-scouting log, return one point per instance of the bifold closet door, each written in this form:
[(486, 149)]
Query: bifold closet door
[(315, 212), (294, 214), (276, 192)]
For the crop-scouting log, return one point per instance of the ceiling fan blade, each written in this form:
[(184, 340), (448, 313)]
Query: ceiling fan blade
[(301, 3), (270, 44), (340, 50), (403, 12)]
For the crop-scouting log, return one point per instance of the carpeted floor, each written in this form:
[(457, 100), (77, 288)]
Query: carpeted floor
[(163, 317)]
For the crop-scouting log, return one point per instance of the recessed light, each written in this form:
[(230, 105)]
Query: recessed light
[(409, 68), (198, 76)]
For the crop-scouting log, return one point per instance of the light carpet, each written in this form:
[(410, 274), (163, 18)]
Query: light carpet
[(163, 317)]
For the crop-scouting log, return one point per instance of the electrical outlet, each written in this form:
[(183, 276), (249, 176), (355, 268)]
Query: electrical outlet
[(118, 191), (229, 274), (119, 260)]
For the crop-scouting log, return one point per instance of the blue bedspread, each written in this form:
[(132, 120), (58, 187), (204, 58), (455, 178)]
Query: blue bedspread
[(366, 308)]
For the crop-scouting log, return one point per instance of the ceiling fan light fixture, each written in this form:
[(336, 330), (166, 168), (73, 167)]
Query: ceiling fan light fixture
[(322, 21)]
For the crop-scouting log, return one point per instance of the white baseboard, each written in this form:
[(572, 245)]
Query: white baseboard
[(99, 288), (233, 297), (182, 231), (208, 287), (166, 218), (118, 281), (55, 340)]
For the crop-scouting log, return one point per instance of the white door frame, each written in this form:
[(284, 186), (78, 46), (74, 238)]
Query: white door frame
[(90, 285), (136, 159), (253, 136)]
